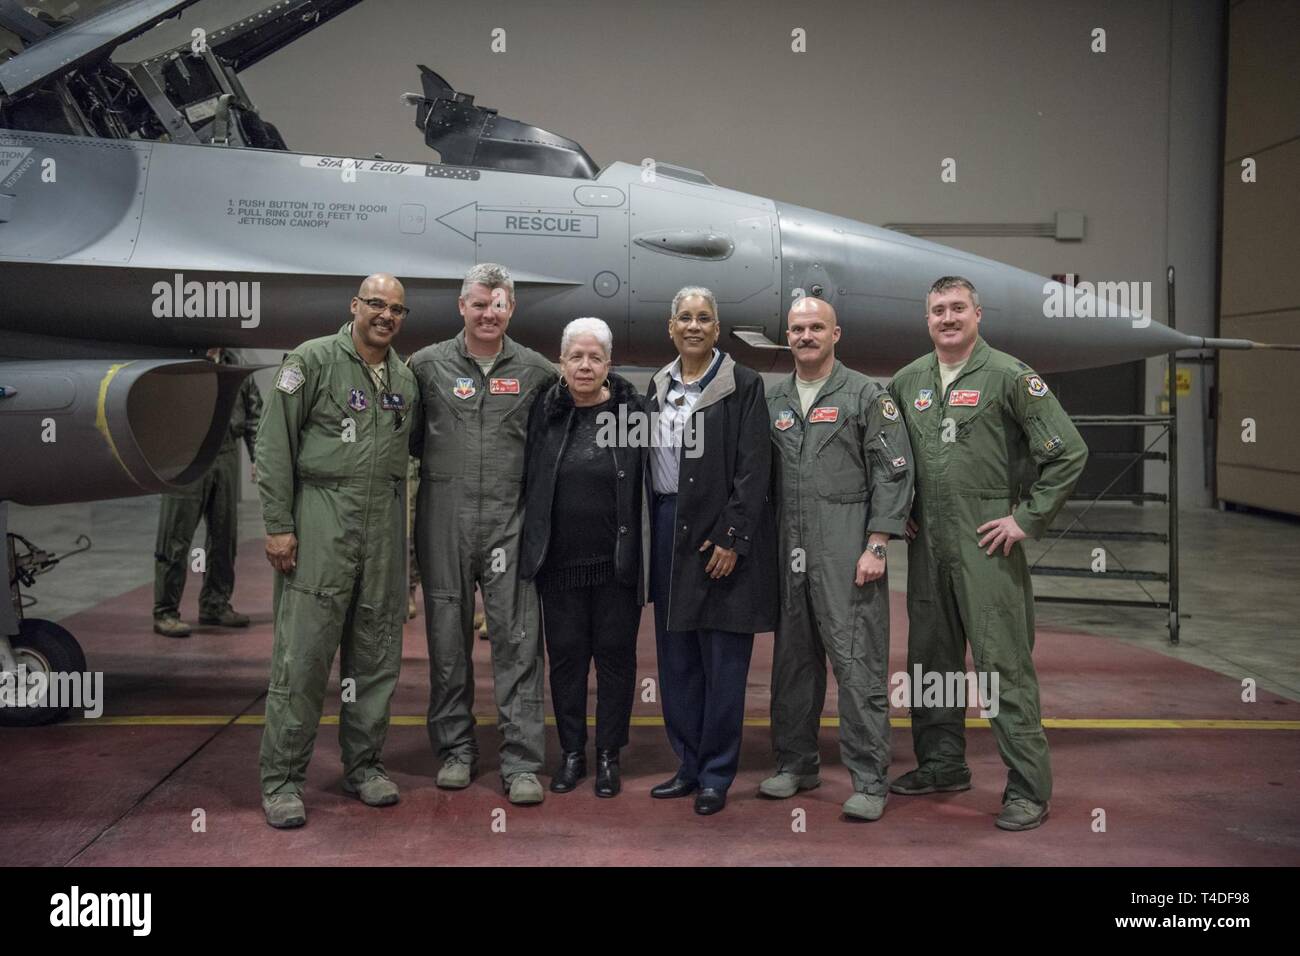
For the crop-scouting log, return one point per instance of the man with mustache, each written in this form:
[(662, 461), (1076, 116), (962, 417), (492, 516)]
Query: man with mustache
[(477, 390), (331, 470), (843, 487), (980, 422)]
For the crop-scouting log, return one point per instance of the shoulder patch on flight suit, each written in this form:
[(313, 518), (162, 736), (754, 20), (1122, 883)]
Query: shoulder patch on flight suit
[(784, 420), (1035, 386), (824, 414), (290, 379), (889, 409), (1052, 443), (464, 388), (898, 462)]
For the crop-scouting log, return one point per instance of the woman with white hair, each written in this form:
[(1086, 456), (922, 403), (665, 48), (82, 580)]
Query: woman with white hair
[(582, 545)]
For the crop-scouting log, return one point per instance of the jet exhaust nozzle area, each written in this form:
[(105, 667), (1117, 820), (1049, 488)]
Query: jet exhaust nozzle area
[(93, 429)]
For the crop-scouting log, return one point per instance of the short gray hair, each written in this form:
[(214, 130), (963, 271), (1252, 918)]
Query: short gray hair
[(687, 291), (948, 283), (490, 274), (587, 326)]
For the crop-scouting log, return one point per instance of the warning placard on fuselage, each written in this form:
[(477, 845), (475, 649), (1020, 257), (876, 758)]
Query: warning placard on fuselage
[(527, 222)]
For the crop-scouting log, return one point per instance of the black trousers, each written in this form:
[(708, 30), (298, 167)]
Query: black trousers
[(580, 624)]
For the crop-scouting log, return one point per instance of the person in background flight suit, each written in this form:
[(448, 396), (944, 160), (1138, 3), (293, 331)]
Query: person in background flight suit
[(477, 390), (979, 419), (332, 453), (215, 499), (843, 487)]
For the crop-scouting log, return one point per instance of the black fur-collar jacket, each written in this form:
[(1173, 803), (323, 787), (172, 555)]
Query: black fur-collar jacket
[(549, 423)]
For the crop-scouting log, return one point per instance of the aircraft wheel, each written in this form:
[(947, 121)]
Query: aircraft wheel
[(41, 646)]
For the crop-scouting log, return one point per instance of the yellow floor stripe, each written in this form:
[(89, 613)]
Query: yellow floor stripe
[(1051, 723)]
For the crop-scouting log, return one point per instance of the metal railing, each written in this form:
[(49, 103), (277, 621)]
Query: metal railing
[(1167, 429)]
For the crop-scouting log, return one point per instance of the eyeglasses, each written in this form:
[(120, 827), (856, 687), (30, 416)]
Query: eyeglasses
[(379, 305), (704, 320)]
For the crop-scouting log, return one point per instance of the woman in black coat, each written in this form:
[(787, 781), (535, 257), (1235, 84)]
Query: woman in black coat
[(713, 575), (582, 545)]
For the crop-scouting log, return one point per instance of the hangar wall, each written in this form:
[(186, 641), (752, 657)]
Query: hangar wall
[(1258, 298)]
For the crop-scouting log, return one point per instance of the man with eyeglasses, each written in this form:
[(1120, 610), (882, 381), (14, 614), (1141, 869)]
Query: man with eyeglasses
[(477, 391), (331, 455)]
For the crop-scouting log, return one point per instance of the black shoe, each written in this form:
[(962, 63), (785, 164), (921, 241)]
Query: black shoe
[(608, 783), (671, 789), (709, 801), (573, 767), (921, 781)]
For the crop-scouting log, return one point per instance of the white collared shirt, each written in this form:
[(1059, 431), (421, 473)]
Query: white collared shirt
[(675, 407)]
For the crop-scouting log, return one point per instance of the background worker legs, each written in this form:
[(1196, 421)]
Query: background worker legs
[(221, 515), (178, 517)]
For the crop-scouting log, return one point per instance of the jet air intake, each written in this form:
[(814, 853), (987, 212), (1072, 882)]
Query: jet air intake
[(87, 430)]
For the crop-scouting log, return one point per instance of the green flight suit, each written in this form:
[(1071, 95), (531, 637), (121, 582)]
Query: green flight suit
[(468, 522), (214, 498), (331, 467), (842, 473), (1004, 431)]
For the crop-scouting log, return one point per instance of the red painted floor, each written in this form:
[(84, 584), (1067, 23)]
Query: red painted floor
[(92, 793)]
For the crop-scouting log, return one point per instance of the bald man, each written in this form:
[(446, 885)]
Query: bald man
[(844, 487), (331, 460)]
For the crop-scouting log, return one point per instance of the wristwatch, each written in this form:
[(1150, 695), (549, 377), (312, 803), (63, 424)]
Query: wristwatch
[(879, 550)]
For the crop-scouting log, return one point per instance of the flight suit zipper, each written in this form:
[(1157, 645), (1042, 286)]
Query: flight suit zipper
[(482, 415)]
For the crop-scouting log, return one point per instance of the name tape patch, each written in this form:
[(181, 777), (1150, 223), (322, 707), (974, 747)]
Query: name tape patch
[(824, 414), (964, 396), (503, 386)]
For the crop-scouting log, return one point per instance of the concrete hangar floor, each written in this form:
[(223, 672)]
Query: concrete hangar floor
[(1157, 737)]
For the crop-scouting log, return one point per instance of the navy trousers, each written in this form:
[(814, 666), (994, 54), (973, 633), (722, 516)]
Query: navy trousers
[(702, 674)]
